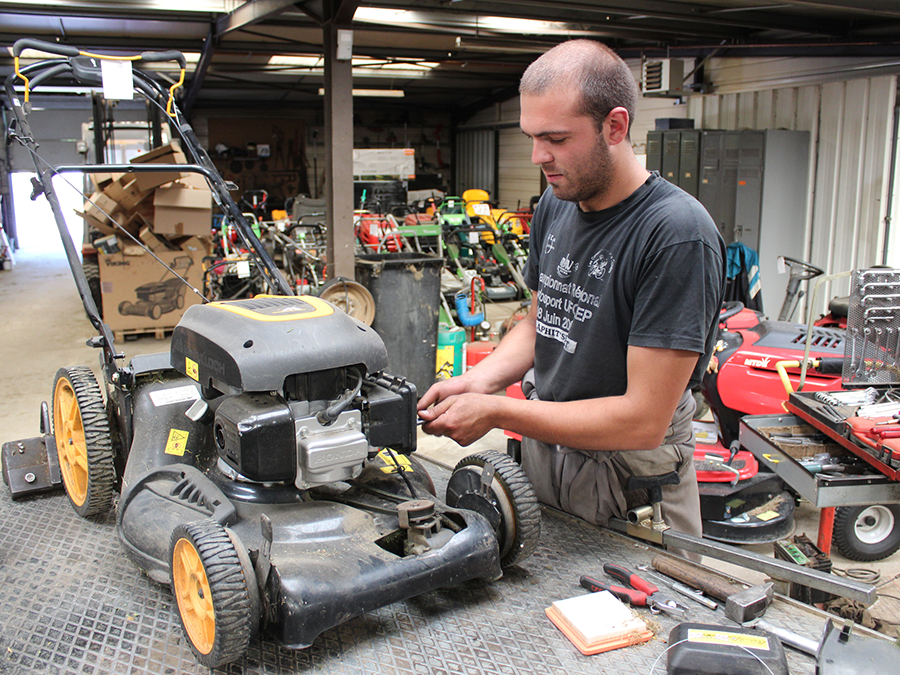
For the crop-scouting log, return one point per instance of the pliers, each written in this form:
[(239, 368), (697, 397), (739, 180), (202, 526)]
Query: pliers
[(639, 592)]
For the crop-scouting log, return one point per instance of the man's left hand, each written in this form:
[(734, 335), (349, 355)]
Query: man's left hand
[(465, 417)]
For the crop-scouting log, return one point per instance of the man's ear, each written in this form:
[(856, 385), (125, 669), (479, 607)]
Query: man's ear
[(616, 125)]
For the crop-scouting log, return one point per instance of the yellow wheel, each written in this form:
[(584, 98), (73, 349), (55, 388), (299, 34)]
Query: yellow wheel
[(212, 592), (83, 440)]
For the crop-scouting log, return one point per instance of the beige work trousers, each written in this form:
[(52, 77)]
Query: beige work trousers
[(591, 484)]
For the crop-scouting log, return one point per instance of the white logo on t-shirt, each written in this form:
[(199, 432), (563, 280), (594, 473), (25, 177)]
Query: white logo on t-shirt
[(601, 263), (549, 246), (566, 267)]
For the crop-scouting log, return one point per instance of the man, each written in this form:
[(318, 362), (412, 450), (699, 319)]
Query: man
[(628, 274)]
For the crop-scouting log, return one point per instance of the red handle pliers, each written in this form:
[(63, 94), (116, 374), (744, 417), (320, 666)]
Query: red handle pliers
[(638, 592)]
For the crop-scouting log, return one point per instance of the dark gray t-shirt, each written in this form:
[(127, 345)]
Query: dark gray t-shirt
[(648, 272)]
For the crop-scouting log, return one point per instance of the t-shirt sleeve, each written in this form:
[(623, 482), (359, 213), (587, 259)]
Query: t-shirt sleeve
[(679, 292)]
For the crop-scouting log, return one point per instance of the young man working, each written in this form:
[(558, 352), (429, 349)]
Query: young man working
[(628, 274)]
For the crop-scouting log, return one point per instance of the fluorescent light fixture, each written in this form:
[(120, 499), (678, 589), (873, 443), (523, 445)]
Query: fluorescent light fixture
[(472, 22), (362, 66), (500, 45), (384, 93)]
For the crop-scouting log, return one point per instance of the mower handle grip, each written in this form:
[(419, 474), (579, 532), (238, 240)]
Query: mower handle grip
[(171, 55), (51, 47)]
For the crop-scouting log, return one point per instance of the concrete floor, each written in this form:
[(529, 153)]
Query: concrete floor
[(44, 328)]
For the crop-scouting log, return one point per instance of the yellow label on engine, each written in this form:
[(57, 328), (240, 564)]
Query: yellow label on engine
[(190, 367), (177, 443), (394, 461), (721, 637)]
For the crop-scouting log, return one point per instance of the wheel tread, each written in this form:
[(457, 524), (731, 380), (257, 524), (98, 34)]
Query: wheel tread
[(527, 510), (229, 589), (97, 436)]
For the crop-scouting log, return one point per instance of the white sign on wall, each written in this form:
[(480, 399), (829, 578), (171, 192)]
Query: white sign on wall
[(399, 163)]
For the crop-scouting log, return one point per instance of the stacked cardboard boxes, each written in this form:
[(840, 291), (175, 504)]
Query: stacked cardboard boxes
[(171, 214)]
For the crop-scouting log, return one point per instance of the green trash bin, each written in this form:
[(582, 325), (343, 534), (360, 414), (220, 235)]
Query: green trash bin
[(406, 287)]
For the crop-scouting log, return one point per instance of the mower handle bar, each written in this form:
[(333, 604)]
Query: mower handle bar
[(68, 51)]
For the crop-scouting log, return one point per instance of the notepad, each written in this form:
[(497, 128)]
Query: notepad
[(598, 622)]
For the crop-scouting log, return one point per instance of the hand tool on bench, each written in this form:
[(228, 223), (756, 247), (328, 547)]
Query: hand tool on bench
[(678, 587), (637, 591)]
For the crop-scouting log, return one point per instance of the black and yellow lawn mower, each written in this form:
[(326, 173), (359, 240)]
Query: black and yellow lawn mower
[(263, 468)]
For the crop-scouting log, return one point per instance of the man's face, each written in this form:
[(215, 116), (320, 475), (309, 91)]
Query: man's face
[(571, 152)]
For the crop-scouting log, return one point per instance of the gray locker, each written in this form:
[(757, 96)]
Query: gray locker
[(755, 186), (654, 151), (712, 169), (689, 162), (671, 155)]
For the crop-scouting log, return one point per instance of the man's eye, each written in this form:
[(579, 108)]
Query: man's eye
[(556, 141)]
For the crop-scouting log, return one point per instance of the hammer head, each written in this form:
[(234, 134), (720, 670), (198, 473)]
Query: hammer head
[(750, 603)]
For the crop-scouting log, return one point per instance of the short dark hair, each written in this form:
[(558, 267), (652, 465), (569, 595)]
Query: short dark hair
[(604, 79)]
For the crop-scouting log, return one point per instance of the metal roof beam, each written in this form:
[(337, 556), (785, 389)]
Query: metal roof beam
[(250, 13)]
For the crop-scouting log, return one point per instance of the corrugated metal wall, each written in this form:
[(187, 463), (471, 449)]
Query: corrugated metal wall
[(476, 161), (517, 179), (851, 124)]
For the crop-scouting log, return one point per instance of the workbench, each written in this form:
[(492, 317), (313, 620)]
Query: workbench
[(72, 602)]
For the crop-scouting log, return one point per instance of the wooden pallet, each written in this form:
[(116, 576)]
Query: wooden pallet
[(158, 332)]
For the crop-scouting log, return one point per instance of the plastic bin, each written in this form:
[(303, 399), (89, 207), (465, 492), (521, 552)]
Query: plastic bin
[(406, 288)]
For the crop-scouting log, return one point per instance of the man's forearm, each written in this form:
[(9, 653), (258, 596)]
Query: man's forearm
[(509, 361)]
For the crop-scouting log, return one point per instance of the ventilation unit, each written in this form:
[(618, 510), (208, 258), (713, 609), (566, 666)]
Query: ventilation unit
[(664, 78)]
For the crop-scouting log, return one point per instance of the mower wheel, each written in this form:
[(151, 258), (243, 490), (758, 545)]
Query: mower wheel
[(351, 297), (92, 273), (83, 440), (511, 505), (867, 533), (213, 592)]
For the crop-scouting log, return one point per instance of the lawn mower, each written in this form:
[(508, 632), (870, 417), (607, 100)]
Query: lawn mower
[(263, 467)]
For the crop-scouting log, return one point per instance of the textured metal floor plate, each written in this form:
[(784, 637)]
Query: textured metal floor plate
[(72, 602)]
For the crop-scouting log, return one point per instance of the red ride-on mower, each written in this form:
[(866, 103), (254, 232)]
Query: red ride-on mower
[(263, 467), (741, 504)]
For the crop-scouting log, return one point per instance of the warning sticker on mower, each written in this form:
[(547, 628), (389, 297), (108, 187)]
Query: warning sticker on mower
[(394, 462), (177, 443), (176, 395), (190, 367), (717, 637)]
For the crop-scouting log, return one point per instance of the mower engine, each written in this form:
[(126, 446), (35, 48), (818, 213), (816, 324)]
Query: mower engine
[(291, 388)]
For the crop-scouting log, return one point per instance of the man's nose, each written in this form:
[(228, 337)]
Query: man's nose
[(540, 154)]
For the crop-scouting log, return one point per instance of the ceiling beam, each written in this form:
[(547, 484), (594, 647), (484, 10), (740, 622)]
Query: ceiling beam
[(251, 12)]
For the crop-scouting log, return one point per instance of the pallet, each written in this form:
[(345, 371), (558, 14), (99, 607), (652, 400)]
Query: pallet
[(158, 332)]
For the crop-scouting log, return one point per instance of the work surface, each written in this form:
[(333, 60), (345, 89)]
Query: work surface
[(72, 602)]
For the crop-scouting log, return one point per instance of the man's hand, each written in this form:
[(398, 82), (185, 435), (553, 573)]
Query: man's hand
[(463, 417)]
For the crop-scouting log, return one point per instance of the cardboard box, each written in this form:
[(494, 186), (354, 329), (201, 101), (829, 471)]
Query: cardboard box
[(167, 154), (151, 241), (140, 294), (125, 192), (101, 180), (97, 211), (182, 211)]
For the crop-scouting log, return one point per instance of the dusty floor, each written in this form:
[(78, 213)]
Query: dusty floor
[(44, 328)]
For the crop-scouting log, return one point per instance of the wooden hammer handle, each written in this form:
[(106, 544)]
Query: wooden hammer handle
[(697, 577)]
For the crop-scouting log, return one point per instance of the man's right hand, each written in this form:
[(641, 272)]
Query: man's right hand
[(443, 389)]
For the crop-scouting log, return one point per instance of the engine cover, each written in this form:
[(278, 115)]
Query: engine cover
[(254, 344)]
